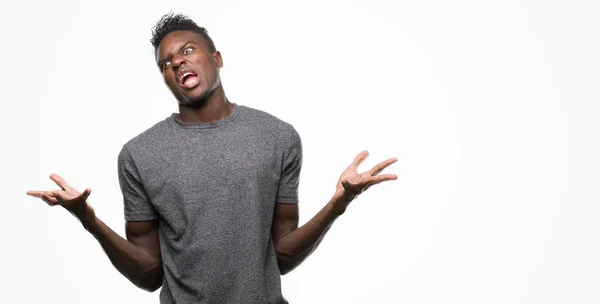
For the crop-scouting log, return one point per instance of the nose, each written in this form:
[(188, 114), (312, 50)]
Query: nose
[(177, 61)]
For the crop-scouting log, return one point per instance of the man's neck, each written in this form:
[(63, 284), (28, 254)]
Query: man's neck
[(216, 108)]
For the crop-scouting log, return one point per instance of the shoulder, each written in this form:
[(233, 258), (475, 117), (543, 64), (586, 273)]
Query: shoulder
[(147, 138), (267, 120), (273, 129)]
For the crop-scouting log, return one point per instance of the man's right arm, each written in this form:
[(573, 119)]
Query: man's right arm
[(138, 257)]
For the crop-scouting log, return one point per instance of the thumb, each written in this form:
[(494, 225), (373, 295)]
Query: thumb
[(85, 194), (346, 184)]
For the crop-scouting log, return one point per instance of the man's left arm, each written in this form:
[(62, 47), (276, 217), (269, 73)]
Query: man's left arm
[(294, 244)]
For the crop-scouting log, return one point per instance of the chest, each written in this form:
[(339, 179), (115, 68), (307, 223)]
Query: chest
[(229, 177)]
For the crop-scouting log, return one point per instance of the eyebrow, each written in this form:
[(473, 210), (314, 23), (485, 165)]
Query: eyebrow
[(160, 62)]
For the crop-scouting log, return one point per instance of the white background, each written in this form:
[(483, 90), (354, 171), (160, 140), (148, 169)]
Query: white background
[(490, 106)]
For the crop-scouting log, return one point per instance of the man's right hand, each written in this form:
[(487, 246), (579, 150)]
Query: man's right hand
[(138, 257), (67, 196)]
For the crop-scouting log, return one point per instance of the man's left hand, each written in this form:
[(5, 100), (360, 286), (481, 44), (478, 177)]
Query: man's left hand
[(351, 183)]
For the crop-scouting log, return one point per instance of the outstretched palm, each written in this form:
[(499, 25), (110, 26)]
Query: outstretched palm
[(351, 183), (67, 197)]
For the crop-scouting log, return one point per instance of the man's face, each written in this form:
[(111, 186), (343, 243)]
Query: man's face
[(189, 67)]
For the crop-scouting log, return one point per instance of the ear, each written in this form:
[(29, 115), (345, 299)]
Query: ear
[(218, 59)]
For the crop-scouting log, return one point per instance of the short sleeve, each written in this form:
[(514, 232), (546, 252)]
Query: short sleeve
[(290, 170), (137, 205)]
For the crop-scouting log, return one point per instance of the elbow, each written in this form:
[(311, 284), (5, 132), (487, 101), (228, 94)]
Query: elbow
[(152, 279), (283, 270), (150, 284), (284, 256), (284, 266), (151, 287), (285, 262)]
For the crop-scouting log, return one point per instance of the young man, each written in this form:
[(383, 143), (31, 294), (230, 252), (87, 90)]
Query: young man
[(210, 193)]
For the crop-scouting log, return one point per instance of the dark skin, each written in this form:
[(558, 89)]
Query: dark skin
[(202, 99)]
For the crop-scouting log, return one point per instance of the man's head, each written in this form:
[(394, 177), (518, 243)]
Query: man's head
[(187, 59)]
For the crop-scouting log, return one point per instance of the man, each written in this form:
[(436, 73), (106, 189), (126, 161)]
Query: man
[(211, 192)]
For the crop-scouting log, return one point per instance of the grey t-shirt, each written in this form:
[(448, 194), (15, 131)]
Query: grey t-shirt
[(213, 187)]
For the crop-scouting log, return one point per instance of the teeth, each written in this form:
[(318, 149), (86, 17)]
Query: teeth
[(184, 75)]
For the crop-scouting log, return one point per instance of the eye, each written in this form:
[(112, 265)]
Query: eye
[(165, 64), (188, 50)]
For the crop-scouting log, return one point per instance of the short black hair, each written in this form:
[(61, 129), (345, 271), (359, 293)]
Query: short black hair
[(178, 22)]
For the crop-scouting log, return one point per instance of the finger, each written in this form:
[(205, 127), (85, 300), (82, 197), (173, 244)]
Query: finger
[(60, 181), (382, 165), (61, 194), (382, 178), (49, 199), (359, 159), (36, 193)]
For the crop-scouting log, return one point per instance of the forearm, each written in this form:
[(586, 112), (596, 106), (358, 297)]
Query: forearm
[(293, 248), (138, 265)]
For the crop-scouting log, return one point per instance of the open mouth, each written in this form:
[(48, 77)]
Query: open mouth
[(188, 79)]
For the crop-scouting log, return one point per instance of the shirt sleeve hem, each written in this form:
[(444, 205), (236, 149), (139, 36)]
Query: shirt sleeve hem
[(287, 200), (138, 217)]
